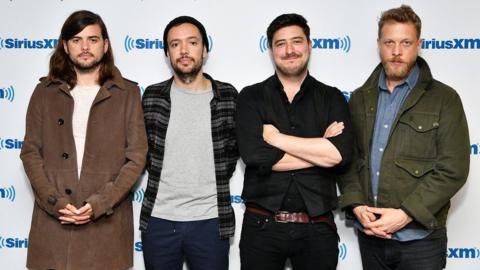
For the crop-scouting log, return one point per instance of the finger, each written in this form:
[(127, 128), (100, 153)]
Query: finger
[(376, 210), (82, 218), (84, 209), (379, 232), (71, 208), (82, 222), (368, 232), (67, 219), (370, 216), (66, 212)]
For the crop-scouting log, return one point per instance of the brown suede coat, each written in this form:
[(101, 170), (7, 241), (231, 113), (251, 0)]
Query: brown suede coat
[(115, 152)]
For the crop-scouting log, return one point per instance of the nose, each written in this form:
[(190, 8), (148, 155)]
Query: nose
[(397, 49), (183, 48), (84, 45), (289, 48)]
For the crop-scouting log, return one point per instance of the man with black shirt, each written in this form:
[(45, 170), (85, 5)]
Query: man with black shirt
[(293, 132)]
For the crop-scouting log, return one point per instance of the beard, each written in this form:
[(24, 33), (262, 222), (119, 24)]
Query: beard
[(189, 75), (397, 73), (86, 67), (292, 71)]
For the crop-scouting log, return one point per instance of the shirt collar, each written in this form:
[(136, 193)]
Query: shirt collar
[(411, 80)]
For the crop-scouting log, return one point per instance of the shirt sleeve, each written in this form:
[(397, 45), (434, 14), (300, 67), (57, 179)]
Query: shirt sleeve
[(254, 151), (338, 111)]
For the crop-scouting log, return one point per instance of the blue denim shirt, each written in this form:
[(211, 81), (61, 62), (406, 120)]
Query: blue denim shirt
[(388, 107)]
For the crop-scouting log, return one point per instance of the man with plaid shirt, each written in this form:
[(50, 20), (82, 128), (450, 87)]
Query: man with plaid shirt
[(190, 123)]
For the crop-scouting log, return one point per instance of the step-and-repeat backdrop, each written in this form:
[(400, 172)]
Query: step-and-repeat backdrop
[(344, 53)]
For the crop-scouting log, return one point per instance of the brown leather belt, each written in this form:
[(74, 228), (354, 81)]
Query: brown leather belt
[(287, 217)]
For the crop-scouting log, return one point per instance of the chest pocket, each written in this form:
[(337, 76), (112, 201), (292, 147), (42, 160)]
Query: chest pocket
[(417, 134)]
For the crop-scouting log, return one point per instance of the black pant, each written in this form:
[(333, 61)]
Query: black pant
[(266, 245), (383, 254)]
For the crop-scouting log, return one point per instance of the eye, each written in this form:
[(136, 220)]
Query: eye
[(194, 43), (388, 43), (280, 44), (406, 43), (173, 44), (75, 40)]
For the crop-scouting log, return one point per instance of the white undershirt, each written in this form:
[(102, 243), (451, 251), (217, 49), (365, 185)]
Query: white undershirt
[(83, 97)]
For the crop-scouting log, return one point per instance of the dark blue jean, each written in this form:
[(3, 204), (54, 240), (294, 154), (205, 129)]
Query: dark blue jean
[(266, 245), (429, 253), (167, 244)]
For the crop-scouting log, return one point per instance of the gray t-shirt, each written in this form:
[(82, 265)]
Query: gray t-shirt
[(187, 190)]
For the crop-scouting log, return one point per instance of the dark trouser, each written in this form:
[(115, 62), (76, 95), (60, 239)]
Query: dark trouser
[(426, 254), (266, 244), (166, 244)]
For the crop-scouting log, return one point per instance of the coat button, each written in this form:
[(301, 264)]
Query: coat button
[(416, 171), (420, 127), (65, 156), (68, 191), (60, 121), (292, 127)]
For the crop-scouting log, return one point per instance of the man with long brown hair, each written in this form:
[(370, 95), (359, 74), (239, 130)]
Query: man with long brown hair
[(85, 147)]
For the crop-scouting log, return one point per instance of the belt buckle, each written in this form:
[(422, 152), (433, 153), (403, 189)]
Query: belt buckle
[(281, 213)]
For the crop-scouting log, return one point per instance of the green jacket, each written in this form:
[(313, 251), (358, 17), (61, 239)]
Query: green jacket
[(427, 157)]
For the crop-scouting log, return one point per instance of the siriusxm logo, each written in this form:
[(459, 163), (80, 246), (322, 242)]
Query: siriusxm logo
[(10, 242), (15, 43), (464, 253), (451, 44), (236, 199), (340, 43), (10, 144), (138, 195), (138, 246), (474, 149), (8, 193), (347, 94), (7, 93), (150, 44), (342, 251)]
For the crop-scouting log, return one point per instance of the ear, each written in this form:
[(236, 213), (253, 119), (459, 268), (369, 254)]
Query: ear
[(205, 52), (309, 46), (105, 45)]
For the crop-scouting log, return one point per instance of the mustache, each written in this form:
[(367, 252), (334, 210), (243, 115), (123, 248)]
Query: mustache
[(292, 55), (85, 53), (185, 57)]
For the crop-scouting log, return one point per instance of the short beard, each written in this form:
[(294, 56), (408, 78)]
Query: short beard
[(188, 77), (85, 68), (292, 73)]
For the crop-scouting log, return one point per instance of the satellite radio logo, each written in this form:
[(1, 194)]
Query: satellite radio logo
[(11, 242), (236, 199), (8, 193), (347, 94), (131, 44), (451, 44), (464, 253), (340, 43), (15, 43), (474, 149), (10, 144), (7, 93), (342, 251), (138, 195)]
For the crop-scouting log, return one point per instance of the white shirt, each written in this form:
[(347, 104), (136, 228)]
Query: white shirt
[(83, 97)]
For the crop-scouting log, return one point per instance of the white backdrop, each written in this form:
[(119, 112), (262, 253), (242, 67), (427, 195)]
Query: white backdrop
[(344, 54)]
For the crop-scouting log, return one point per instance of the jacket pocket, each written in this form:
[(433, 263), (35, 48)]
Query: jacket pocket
[(414, 167), (417, 135)]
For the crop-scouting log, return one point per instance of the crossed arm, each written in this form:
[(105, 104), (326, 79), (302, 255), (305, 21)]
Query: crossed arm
[(303, 153)]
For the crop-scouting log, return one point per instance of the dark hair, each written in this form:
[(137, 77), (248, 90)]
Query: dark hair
[(61, 66), (403, 14), (285, 20), (181, 20)]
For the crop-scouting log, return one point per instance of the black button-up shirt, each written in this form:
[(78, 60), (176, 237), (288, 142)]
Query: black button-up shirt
[(309, 114)]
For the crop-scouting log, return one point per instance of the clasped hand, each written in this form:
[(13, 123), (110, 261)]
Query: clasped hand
[(72, 215)]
